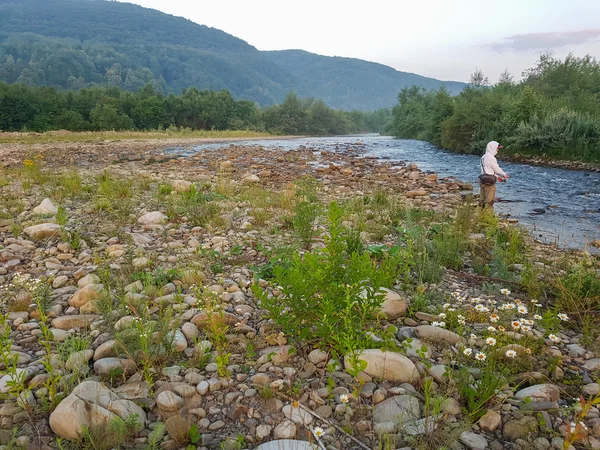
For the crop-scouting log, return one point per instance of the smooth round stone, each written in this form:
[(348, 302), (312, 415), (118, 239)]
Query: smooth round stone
[(169, 401), (203, 387)]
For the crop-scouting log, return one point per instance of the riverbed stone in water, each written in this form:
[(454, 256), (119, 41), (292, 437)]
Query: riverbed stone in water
[(92, 405), (388, 366)]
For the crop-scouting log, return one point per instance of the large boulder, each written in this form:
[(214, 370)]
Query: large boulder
[(43, 231), (394, 305), (46, 207), (539, 393), (437, 334), (86, 294), (387, 366), (202, 320), (78, 321), (398, 410), (92, 406)]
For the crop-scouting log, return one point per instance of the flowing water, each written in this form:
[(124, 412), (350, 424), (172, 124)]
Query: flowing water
[(557, 205)]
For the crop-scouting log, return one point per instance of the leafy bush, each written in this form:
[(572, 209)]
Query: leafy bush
[(331, 296)]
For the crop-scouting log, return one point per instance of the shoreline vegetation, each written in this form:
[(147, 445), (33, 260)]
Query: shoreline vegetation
[(552, 114), (230, 299)]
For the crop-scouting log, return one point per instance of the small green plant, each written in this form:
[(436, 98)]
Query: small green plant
[(195, 435), (61, 217), (306, 209)]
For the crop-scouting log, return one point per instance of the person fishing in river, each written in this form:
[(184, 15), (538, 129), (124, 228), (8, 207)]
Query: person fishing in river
[(490, 173)]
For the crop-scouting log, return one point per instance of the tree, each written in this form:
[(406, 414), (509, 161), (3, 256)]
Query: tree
[(478, 79), (105, 117)]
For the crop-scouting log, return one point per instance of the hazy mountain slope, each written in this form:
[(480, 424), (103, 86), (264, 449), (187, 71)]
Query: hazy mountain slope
[(353, 83), (79, 43)]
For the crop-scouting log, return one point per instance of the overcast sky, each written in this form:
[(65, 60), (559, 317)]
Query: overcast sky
[(445, 39)]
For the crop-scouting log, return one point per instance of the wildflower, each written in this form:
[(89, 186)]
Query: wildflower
[(344, 398), (475, 300), (438, 324), (539, 305), (494, 318), (516, 324), (510, 353), (528, 351), (509, 306), (505, 291), (461, 321), (451, 309), (563, 316), (491, 329), (442, 315), (473, 336), (533, 301), (528, 322), (28, 163), (490, 341), (481, 308), (537, 317), (467, 351), (518, 302), (522, 309), (318, 431), (446, 305), (480, 356), (554, 338), (501, 328), (525, 328)]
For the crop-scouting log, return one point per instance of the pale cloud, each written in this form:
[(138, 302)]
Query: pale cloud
[(528, 42)]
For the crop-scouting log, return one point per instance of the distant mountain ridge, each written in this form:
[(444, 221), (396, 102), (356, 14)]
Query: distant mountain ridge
[(79, 43)]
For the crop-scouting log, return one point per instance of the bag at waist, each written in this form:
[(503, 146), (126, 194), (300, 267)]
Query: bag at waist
[(487, 179)]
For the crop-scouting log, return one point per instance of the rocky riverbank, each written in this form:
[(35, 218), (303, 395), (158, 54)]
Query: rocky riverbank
[(139, 288)]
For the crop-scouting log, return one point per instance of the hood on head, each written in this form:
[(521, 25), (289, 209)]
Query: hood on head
[(492, 147)]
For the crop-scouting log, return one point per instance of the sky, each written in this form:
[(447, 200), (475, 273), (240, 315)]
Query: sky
[(444, 39)]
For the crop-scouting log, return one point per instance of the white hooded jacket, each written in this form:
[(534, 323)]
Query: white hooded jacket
[(489, 164)]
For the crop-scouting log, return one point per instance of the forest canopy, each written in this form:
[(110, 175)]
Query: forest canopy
[(32, 108)]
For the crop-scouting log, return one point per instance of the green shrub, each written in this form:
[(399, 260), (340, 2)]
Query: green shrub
[(331, 296)]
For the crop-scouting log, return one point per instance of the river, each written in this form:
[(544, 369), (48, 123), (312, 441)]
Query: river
[(556, 205)]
